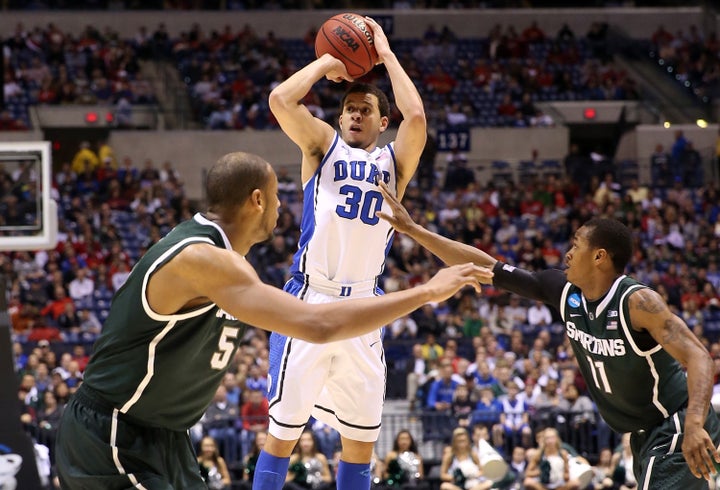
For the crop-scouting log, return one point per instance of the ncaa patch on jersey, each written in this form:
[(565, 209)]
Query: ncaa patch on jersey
[(612, 325), (574, 300)]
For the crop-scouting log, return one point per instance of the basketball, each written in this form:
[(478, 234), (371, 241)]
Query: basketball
[(349, 39)]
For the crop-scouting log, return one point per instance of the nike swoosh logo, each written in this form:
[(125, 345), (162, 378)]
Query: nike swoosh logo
[(573, 315), (374, 343)]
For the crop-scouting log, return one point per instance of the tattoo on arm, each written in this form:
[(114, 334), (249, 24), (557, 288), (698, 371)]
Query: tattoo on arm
[(669, 329), (673, 332), (649, 302)]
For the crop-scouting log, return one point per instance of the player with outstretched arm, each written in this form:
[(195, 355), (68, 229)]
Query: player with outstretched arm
[(174, 328), (631, 349)]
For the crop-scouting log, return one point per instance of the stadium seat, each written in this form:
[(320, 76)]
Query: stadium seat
[(527, 171), (551, 167), (501, 172), (102, 314), (628, 170)]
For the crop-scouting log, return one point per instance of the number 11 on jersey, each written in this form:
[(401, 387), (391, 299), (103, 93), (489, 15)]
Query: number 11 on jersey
[(599, 375)]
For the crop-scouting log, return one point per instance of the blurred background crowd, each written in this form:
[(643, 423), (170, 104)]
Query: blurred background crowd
[(492, 360), (494, 80), (477, 371)]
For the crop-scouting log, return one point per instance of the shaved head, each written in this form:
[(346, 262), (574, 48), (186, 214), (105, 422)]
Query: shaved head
[(232, 179)]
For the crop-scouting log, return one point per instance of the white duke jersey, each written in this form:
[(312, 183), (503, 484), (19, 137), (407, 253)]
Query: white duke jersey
[(340, 236)]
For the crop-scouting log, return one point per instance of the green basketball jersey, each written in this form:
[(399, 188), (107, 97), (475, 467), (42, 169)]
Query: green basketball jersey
[(632, 379), (163, 370)]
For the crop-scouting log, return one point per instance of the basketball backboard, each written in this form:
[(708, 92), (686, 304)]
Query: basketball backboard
[(28, 215)]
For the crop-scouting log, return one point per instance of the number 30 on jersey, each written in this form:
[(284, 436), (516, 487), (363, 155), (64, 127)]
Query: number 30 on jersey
[(360, 204)]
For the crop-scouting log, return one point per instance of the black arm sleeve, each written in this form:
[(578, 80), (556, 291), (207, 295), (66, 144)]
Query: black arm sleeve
[(546, 286)]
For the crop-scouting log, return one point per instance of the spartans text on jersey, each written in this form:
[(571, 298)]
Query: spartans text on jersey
[(594, 345)]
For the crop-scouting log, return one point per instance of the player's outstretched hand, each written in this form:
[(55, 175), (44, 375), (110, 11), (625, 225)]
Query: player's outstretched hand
[(451, 279), (382, 46), (337, 72), (700, 452), (400, 219)]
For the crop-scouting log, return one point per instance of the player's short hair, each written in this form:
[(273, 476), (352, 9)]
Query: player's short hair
[(614, 237), (367, 88), (232, 179)]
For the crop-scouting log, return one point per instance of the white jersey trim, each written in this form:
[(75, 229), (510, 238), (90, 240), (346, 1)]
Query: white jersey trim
[(204, 221), (150, 367), (146, 305), (170, 319), (336, 195), (316, 191), (646, 354), (603, 304), (324, 159), (626, 326), (563, 299), (116, 455), (648, 473), (676, 435)]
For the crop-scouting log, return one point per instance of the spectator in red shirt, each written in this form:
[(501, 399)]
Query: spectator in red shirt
[(691, 293), (57, 307), (451, 348), (661, 36), (544, 77), (710, 295), (44, 332), (487, 207), (531, 206), (557, 195), (507, 107), (80, 356), (117, 201), (107, 171), (533, 34), (552, 255), (439, 81), (8, 123), (254, 416), (482, 73)]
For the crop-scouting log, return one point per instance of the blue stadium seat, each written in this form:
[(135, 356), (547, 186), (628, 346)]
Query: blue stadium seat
[(101, 304), (551, 167)]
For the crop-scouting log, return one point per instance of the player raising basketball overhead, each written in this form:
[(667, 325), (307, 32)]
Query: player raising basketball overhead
[(175, 325), (342, 252), (348, 38)]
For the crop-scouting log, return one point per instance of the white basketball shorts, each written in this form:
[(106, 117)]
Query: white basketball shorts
[(340, 383)]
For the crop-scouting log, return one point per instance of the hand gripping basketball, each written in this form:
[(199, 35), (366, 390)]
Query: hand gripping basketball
[(348, 38)]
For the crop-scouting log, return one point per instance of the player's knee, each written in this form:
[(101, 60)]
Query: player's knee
[(279, 447), (358, 452)]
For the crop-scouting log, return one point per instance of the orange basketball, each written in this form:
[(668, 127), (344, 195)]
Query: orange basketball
[(349, 39)]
